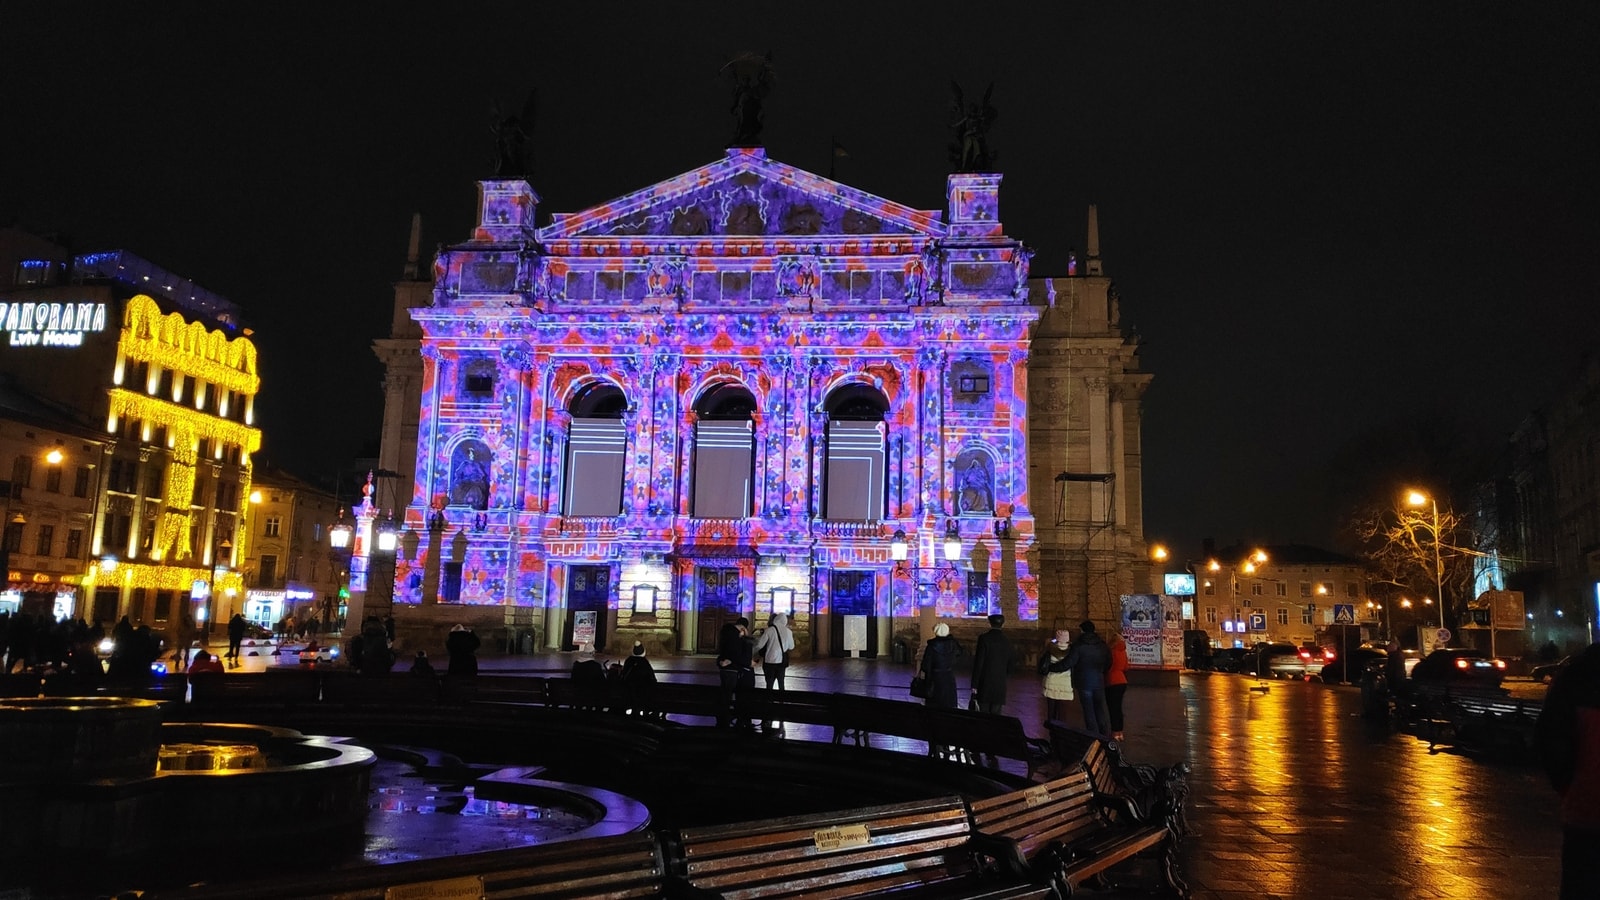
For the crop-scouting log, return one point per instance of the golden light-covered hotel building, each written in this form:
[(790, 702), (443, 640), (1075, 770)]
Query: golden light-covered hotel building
[(157, 380)]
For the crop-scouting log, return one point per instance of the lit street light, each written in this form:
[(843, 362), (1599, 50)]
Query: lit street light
[(1418, 498)]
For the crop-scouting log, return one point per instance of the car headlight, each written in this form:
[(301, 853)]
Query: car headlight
[(107, 645)]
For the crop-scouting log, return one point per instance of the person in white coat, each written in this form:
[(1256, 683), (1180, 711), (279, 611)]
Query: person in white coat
[(772, 650)]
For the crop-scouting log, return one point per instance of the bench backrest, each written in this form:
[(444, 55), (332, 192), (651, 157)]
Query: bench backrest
[(979, 732), (239, 689), (842, 854), (398, 689), (875, 715), (1039, 815)]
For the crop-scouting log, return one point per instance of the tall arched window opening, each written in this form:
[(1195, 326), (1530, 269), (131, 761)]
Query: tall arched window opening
[(597, 443), (854, 479), (724, 453)]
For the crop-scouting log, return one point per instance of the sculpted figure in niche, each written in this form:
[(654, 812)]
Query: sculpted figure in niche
[(469, 477), (976, 487)]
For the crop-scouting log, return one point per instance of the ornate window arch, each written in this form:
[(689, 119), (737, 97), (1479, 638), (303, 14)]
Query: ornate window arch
[(597, 444), (854, 473)]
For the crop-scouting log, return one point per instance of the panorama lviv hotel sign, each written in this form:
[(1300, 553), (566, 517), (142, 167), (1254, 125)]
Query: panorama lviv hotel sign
[(50, 324)]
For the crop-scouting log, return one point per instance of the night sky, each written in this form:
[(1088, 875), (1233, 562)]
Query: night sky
[(1320, 217)]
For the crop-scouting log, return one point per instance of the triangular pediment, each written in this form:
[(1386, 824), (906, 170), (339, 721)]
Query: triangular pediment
[(745, 195)]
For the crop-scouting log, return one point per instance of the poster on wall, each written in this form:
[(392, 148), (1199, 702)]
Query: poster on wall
[(1152, 629), (583, 626)]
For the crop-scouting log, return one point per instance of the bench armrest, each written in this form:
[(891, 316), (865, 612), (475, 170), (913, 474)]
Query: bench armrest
[(1002, 853)]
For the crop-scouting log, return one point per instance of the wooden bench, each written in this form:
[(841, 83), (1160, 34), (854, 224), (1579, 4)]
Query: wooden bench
[(164, 689), (1150, 792), (268, 690), (858, 718), (850, 853), (1490, 720), (459, 690), (967, 736), (389, 690), (624, 866), (1063, 832)]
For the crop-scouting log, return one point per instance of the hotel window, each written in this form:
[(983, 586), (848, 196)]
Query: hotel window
[(47, 537), (1308, 615), (1283, 615), (74, 543), (52, 479), (1211, 615), (1283, 589), (1305, 588), (22, 472), (1352, 589), (1257, 589)]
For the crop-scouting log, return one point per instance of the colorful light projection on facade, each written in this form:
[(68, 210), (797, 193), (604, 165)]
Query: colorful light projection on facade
[(750, 370)]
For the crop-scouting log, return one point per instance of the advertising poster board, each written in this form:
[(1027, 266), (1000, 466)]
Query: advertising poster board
[(1152, 628), (583, 627)]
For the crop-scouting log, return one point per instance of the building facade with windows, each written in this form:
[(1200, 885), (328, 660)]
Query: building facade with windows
[(165, 373), (1288, 593), (735, 393), (291, 568)]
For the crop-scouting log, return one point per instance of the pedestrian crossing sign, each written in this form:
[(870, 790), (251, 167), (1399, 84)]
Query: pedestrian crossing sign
[(1344, 614)]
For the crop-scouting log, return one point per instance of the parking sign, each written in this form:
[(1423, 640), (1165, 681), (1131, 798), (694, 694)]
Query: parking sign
[(1258, 621)]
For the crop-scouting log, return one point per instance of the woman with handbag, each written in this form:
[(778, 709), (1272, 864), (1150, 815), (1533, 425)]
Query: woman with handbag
[(772, 656), (939, 667)]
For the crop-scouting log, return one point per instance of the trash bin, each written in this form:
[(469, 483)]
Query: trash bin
[(898, 652)]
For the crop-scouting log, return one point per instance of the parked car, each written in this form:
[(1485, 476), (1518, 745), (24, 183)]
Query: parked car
[(1229, 659), (1355, 664), (1269, 659), (1451, 666), (1547, 672)]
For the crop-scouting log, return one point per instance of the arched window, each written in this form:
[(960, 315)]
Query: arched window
[(596, 452), (855, 470), (724, 453)]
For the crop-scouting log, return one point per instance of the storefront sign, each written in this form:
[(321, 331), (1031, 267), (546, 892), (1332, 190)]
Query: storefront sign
[(50, 324)]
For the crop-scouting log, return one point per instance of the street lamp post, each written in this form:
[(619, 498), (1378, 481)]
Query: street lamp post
[(339, 542), (1417, 498)]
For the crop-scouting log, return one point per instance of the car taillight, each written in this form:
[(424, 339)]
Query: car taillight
[(1499, 664), (1463, 663), (1327, 655), (1305, 655)]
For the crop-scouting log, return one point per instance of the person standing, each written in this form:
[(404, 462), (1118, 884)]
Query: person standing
[(1088, 661), (236, 627), (735, 673), (939, 667), (1057, 687), (991, 666), (772, 649), (638, 680), (462, 645), (1567, 736), (1117, 683)]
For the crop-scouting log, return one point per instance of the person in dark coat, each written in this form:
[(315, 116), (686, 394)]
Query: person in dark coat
[(1088, 661), (421, 667), (638, 680), (735, 672), (1567, 736), (939, 667), (236, 628), (462, 645), (991, 666)]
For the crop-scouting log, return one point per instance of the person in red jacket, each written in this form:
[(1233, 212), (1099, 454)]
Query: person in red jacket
[(1117, 683)]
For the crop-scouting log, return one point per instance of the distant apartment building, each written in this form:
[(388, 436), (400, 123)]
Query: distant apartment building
[(1288, 593)]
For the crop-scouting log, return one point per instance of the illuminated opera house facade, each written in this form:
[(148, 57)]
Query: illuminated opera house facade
[(750, 389)]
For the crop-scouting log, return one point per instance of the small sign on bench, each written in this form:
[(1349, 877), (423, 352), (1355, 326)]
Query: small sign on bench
[(469, 887), (1035, 796), (841, 837)]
